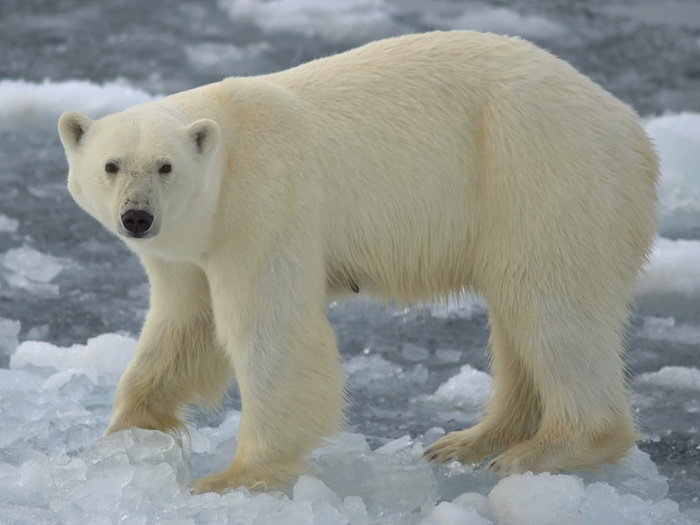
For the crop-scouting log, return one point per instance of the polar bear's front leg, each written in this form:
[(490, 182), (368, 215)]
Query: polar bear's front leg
[(177, 360), (288, 371)]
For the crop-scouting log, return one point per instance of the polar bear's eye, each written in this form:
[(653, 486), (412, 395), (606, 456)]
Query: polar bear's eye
[(165, 168), (111, 167)]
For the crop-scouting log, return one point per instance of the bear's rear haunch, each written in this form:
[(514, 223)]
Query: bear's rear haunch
[(411, 169)]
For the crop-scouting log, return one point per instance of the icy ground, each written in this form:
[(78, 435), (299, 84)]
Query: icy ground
[(63, 280), (55, 402)]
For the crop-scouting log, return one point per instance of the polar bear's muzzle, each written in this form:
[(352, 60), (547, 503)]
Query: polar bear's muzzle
[(137, 224)]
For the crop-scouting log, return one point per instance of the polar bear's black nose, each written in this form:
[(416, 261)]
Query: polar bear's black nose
[(137, 222)]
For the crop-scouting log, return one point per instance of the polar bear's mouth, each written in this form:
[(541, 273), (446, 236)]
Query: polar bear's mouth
[(137, 224)]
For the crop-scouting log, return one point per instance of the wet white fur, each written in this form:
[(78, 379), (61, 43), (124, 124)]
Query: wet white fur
[(414, 168)]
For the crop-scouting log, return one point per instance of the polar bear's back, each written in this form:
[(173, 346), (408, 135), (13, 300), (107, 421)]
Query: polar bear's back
[(482, 139), (450, 160)]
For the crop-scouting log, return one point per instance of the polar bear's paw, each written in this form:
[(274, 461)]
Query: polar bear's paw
[(466, 446), (142, 417), (556, 454), (260, 478), (222, 481), (552, 451), (534, 456)]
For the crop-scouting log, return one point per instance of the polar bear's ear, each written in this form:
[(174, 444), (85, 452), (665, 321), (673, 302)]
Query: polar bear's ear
[(205, 134), (71, 128)]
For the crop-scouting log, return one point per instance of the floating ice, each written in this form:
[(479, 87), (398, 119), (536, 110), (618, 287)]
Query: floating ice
[(31, 270), (38, 105), (414, 353), (106, 355), (673, 269), (59, 397), (8, 224), (32, 264), (448, 355), (376, 371), (530, 499), (9, 330), (371, 368), (228, 59), (668, 329), (469, 388), (461, 398), (547, 499), (55, 467), (677, 140), (459, 512), (673, 377), (394, 479), (496, 20), (337, 21), (675, 13)]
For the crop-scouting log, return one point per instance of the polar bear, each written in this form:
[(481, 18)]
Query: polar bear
[(410, 169)]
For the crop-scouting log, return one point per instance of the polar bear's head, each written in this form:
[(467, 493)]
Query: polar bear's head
[(140, 170)]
